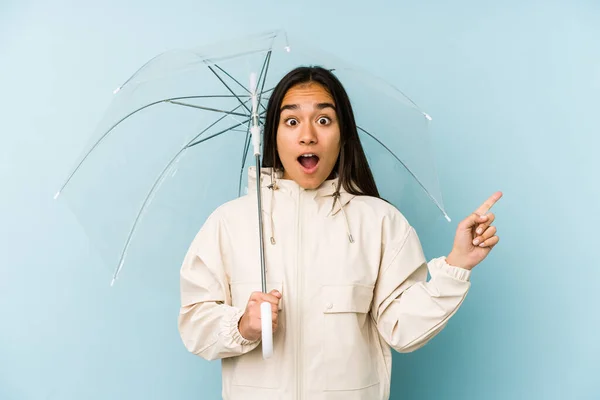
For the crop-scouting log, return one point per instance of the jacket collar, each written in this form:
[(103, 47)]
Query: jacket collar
[(273, 180)]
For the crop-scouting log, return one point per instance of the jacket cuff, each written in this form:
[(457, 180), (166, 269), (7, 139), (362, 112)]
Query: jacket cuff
[(230, 328), (439, 265)]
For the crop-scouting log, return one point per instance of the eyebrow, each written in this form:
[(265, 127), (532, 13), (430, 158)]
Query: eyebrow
[(319, 106)]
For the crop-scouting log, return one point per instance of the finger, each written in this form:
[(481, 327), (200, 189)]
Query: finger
[(271, 296), (485, 225), (472, 220), (489, 232), (275, 320), (491, 242), (254, 296), (251, 306), (266, 297), (489, 203)]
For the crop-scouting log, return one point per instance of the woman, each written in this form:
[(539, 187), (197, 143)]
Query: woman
[(346, 271)]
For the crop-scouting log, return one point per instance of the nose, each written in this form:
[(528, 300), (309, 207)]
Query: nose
[(308, 135)]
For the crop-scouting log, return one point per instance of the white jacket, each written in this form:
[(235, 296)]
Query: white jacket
[(353, 282)]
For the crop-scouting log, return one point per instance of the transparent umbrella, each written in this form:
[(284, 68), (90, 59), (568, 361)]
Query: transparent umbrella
[(187, 124)]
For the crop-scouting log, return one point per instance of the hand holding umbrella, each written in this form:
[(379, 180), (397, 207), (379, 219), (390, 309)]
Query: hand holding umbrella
[(252, 324)]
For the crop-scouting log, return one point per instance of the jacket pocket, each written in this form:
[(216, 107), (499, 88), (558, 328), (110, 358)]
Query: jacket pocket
[(250, 369), (349, 348)]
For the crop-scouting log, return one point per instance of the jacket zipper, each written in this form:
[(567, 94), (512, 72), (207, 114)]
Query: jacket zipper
[(299, 374)]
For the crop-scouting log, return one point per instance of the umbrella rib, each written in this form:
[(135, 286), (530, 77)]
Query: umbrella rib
[(212, 96), (265, 69), (206, 108), (232, 78), (218, 133), (141, 211), (267, 60), (214, 60), (228, 88), (139, 70), (213, 124), (156, 185), (105, 134), (408, 169)]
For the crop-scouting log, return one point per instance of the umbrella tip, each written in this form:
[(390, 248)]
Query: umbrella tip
[(117, 90), (427, 116), (112, 282), (287, 48), (447, 217), (56, 195)]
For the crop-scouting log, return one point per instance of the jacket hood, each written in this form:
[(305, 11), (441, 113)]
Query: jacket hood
[(272, 180)]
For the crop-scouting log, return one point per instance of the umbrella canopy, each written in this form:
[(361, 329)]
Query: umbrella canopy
[(176, 137)]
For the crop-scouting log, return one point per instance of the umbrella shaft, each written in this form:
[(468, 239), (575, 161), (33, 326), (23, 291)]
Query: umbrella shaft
[(260, 226)]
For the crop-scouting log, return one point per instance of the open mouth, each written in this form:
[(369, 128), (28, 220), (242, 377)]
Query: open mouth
[(309, 162)]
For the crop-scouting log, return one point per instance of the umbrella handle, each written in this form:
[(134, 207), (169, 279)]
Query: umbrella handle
[(266, 319)]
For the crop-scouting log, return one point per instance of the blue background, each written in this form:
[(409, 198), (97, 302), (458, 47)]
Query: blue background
[(513, 88)]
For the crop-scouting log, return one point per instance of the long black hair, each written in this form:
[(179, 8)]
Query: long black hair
[(352, 166)]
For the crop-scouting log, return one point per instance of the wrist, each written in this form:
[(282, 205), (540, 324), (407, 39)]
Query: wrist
[(242, 329), (455, 261)]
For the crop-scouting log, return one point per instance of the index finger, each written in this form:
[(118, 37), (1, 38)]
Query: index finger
[(260, 296), (489, 203)]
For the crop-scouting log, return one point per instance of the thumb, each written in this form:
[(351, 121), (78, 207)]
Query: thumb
[(275, 293), (473, 220)]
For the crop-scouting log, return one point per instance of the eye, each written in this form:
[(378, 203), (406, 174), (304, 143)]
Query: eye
[(324, 121), (291, 122)]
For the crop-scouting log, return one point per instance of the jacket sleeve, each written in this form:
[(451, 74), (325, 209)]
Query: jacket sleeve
[(409, 310), (208, 324)]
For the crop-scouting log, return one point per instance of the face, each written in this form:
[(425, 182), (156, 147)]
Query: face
[(308, 135)]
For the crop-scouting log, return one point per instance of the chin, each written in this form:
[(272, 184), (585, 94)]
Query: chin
[(310, 183), (307, 181)]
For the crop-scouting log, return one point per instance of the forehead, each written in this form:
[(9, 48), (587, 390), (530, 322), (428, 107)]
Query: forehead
[(307, 95)]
